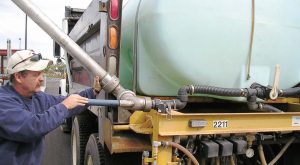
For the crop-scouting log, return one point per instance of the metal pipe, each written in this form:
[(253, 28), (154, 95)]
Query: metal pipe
[(285, 147), (9, 52), (261, 155), (66, 30), (98, 102), (155, 146), (26, 31), (218, 162), (112, 103), (277, 157), (232, 161), (110, 84)]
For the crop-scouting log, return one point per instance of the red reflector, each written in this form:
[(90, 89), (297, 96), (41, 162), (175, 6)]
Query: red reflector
[(114, 12)]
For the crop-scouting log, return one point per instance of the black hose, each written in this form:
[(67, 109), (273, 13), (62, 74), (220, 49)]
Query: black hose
[(234, 92), (253, 105), (270, 108), (250, 93), (291, 92), (256, 90), (179, 104), (197, 89), (187, 90)]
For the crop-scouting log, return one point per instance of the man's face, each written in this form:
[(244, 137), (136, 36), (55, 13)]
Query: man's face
[(31, 82)]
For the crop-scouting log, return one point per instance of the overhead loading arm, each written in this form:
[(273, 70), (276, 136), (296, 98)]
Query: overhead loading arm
[(109, 83)]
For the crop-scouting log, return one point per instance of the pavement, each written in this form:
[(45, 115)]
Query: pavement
[(57, 147)]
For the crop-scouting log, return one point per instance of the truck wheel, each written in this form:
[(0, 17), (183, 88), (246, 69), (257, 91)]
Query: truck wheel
[(81, 129), (94, 153)]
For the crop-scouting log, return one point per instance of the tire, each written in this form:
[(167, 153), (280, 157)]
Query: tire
[(81, 129), (94, 153)]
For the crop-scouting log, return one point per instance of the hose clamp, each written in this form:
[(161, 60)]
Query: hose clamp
[(260, 106), (174, 102), (280, 92), (243, 92), (192, 88)]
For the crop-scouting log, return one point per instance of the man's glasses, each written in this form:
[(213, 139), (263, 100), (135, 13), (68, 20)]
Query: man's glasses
[(35, 57)]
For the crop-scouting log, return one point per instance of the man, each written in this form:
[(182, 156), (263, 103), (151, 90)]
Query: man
[(27, 114)]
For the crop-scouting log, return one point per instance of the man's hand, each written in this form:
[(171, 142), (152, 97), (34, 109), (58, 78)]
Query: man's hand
[(74, 100), (96, 85)]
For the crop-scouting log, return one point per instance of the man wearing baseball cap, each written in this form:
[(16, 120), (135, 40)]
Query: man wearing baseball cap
[(27, 114)]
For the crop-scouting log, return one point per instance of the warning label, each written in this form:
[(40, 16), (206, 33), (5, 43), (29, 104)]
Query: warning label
[(295, 121)]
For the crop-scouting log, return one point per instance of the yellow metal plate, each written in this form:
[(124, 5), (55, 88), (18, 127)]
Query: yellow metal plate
[(178, 123)]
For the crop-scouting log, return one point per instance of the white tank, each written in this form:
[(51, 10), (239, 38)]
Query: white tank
[(207, 42)]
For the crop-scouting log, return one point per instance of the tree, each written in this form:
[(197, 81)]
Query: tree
[(56, 71)]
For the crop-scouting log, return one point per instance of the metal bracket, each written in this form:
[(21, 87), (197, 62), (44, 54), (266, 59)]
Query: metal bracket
[(102, 6), (169, 111)]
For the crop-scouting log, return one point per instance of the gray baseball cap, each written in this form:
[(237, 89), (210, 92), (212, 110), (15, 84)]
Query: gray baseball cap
[(26, 60)]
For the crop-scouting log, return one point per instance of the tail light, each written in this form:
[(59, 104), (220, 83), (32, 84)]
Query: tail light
[(114, 9), (113, 37)]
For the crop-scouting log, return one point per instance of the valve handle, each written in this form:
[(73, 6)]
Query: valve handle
[(274, 92)]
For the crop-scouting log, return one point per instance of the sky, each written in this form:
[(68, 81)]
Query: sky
[(12, 24)]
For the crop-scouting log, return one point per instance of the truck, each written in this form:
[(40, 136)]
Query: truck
[(184, 82)]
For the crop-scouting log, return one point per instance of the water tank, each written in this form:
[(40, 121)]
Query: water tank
[(169, 43)]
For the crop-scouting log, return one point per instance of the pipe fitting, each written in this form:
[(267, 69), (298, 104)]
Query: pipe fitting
[(251, 102), (125, 94), (156, 143), (109, 83), (179, 104), (139, 103)]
